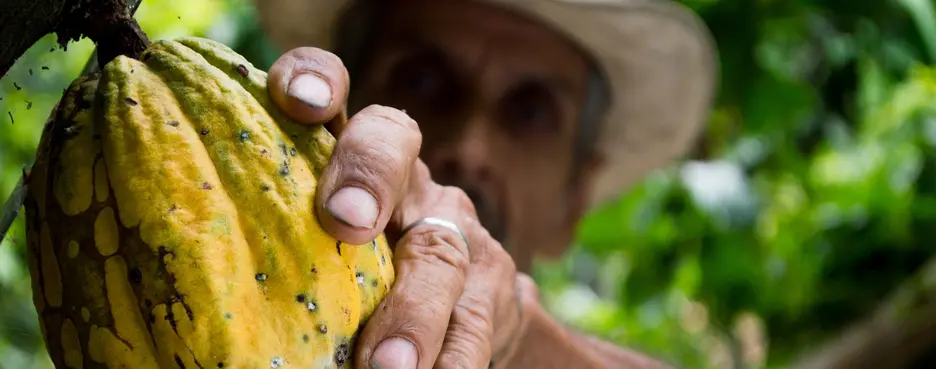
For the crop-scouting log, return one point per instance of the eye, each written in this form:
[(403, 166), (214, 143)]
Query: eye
[(530, 109), (420, 77)]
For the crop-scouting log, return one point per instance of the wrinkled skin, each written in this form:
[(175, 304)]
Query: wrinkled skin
[(491, 112)]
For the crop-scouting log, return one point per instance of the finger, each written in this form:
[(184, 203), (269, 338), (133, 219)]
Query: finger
[(367, 174), (408, 327), (490, 296), (309, 85)]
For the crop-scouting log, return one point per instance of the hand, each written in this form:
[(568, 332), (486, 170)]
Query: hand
[(453, 305)]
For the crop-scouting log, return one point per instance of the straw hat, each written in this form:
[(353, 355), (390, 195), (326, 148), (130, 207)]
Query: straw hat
[(658, 57)]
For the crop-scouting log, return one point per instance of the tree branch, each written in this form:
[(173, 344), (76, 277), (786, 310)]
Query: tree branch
[(899, 332), (22, 23), (109, 23)]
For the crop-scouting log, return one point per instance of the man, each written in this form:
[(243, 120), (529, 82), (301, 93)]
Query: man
[(537, 110)]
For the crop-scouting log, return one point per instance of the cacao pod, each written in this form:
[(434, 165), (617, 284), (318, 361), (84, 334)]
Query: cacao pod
[(171, 224)]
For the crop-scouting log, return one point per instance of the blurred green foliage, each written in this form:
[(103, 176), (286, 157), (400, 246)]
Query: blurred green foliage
[(810, 199)]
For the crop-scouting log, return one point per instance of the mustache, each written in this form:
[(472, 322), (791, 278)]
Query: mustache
[(488, 212)]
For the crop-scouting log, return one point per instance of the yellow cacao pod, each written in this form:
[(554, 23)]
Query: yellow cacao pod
[(171, 223)]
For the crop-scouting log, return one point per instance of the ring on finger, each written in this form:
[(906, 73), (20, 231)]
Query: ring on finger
[(437, 222)]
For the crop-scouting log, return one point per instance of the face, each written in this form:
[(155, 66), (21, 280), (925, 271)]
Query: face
[(498, 99)]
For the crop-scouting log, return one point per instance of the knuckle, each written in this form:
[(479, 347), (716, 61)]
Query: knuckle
[(473, 314), (457, 357), (459, 198), (371, 169), (395, 127), (503, 259), (394, 116), (470, 336), (431, 246), (418, 304), (380, 161), (422, 176)]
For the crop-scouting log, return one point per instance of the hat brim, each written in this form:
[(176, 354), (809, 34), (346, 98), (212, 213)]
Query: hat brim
[(658, 57)]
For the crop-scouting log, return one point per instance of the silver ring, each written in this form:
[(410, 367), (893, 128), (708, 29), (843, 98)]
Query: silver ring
[(437, 222)]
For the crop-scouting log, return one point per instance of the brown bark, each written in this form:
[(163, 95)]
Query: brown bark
[(900, 331), (109, 23)]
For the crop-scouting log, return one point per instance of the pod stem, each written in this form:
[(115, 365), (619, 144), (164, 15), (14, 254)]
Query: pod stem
[(109, 23)]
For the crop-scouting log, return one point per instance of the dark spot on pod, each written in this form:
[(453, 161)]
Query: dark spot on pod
[(284, 170), (135, 275), (206, 186), (227, 315), (44, 67), (188, 312), (173, 208), (173, 123), (244, 136), (305, 338), (130, 101), (323, 328), (10, 113), (301, 297), (179, 362), (30, 71), (28, 104), (283, 148), (338, 247), (204, 132), (359, 277), (170, 316), (260, 277), (314, 271), (373, 283), (220, 364), (178, 296), (341, 354), (242, 70), (264, 188), (383, 259), (292, 151), (17, 86)]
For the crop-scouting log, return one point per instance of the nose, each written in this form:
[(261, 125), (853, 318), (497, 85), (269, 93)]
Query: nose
[(465, 157)]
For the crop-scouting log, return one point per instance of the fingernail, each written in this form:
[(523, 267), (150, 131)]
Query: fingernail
[(311, 90), (394, 353), (354, 207)]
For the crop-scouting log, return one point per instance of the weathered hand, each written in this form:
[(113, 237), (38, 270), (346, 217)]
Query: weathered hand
[(453, 305)]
